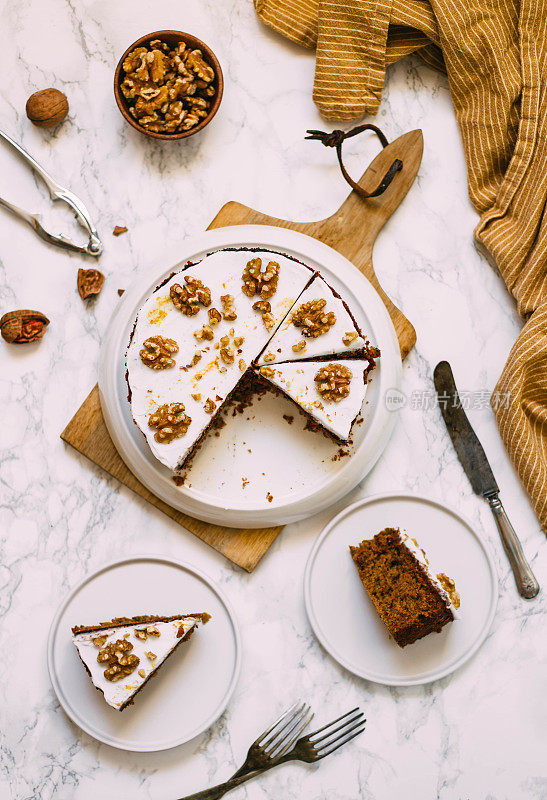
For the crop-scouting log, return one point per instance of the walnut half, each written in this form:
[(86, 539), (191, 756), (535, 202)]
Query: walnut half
[(170, 421), (189, 298), (260, 281), (333, 382), (120, 662), (312, 318), (157, 351)]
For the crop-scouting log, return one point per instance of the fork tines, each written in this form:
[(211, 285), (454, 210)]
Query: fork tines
[(352, 724), (277, 740)]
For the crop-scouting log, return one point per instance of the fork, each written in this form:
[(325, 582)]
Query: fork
[(274, 741), (308, 748), (258, 756)]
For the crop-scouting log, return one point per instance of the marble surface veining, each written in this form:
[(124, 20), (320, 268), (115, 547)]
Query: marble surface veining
[(477, 734)]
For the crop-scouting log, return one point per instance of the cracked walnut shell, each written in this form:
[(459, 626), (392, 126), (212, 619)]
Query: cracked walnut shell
[(189, 298), (312, 319), (90, 282), (333, 382), (171, 421), (120, 662), (157, 351), (23, 327), (260, 281)]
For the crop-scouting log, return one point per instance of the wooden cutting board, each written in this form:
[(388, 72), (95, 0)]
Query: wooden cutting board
[(352, 230)]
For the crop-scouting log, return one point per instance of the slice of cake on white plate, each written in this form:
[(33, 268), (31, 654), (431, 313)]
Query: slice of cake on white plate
[(122, 655), (411, 600), (195, 337), (320, 324), (330, 392)]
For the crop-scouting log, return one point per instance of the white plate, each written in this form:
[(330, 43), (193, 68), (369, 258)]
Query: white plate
[(344, 618), (258, 453), (194, 685)]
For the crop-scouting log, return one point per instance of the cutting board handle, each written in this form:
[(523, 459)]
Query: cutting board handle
[(375, 211)]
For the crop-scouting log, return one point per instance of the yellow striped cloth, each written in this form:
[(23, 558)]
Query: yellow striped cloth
[(495, 55)]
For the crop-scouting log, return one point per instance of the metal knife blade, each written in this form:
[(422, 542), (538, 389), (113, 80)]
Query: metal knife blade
[(469, 449), (473, 460)]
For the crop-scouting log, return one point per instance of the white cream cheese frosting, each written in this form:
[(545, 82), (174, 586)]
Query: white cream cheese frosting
[(297, 380), (203, 386), (341, 338), (116, 693)]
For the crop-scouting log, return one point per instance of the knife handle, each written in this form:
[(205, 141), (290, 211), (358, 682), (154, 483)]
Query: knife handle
[(527, 584)]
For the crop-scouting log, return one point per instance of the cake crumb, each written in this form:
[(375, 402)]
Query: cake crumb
[(269, 496), (288, 418), (244, 482), (340, 454)]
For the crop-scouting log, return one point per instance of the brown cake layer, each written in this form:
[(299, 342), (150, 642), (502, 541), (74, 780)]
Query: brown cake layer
[(408, 602)]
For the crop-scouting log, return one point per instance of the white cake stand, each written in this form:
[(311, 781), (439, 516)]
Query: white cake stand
[(260, 470)]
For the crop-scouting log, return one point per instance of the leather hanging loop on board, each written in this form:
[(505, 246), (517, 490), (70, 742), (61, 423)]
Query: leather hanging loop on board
[(335, 139)]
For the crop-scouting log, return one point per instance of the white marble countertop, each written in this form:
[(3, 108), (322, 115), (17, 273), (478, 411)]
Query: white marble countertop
[(479, 733)]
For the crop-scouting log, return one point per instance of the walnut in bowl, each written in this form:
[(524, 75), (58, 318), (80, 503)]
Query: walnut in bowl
[(168, 85)]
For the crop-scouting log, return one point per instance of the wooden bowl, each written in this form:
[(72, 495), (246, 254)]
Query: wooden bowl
[(171, 38)]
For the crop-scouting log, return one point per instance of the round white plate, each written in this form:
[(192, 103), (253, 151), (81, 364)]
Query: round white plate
[(194, 685), (258, 454), (344, 618)]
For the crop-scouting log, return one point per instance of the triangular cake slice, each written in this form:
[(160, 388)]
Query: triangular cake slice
[(195, 337), (319, 325), (410, 599), (122, 655), (331, 393)]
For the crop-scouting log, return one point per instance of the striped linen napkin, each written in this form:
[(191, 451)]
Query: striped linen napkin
[(495, 55)]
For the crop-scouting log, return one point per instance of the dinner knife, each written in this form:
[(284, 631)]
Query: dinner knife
[(473, 460)]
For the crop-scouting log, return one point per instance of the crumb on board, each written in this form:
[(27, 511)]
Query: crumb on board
[(119, 229), (244, 482), (269, 497), (120, 292)]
